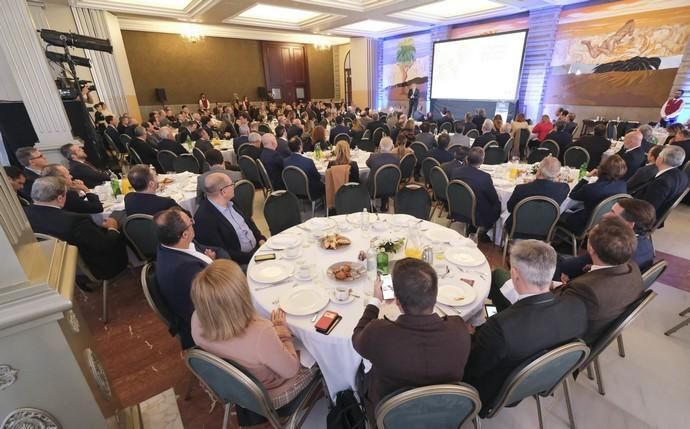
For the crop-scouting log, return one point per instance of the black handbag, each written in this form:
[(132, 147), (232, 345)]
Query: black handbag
[(347, 412)]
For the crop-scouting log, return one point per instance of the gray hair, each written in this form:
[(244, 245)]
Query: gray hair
[(550, 167), (487, 126), (139, 131), (52, 170), (535, 261), (46, 189), (672, 156), (254, 138), (647, 131), (244, 130), (163, 132), (24, 154), (386, 145)]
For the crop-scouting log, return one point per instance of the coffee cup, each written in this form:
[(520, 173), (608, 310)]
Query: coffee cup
[(342, 293), (303, 270), (292, 252)]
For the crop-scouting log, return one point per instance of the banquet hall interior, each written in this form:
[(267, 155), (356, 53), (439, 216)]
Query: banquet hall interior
[(345, 214)]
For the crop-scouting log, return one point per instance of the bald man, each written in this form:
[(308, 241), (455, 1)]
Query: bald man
[(272, 160), (632, 153), (218, 222)]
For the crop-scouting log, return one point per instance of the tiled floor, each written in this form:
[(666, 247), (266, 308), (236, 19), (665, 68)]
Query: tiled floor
[(647, 389)]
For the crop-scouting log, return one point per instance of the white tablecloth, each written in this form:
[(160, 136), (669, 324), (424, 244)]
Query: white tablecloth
[(334, 352), (360, 156)]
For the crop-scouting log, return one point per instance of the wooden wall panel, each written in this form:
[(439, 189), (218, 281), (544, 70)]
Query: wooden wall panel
[(286, 69)]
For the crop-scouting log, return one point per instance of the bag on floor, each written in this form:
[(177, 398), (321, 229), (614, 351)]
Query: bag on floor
[(347, 412)]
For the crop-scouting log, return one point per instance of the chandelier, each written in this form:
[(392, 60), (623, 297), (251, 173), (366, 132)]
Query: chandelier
[(322, 44), (192, 34)]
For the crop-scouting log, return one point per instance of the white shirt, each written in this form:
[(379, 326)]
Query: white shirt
[(599, 267), (191, 250), (662, 172)]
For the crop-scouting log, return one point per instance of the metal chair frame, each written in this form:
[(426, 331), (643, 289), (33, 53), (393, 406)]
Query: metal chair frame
[(264, 176), (426, 170), (185, 157), (242, 183), (306, 187), (161, 156), (137, 249), (376, 181), (552, 146), (508, 235), (440, 195), (406, 178), (473, 133), (473, 207), (342, 136), (491, 143), (575, 149), (247, 158), (347, 187), (134, 157)]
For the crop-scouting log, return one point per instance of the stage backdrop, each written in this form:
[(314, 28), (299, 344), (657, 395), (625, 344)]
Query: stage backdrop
[(406, 60), (617, 54)]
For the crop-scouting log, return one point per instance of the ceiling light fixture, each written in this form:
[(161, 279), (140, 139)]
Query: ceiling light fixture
[(322, 44), (192, 34)]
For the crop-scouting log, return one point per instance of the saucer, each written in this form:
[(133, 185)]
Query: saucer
[(349, 299), (305, 277)]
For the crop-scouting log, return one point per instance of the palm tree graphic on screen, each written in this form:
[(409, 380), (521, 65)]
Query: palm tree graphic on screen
[(404, 58)]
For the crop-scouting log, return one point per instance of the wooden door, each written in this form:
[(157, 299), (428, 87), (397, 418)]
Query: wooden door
[(285, 70)]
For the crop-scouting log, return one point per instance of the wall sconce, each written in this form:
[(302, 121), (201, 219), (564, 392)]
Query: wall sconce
[(322, 44), (192, 34)]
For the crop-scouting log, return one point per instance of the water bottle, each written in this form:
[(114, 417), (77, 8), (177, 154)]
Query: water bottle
[(317, 151), (365, 220), (115, 186), (382, 262)]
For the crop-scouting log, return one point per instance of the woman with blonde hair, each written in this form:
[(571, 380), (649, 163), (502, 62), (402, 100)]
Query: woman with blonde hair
[(343, 157), (226, 324)]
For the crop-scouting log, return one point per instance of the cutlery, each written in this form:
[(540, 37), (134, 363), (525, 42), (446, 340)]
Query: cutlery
[(275, 284), (444, 275), (316, 316)]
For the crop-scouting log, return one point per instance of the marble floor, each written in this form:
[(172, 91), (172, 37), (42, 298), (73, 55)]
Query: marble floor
[(649, 388)]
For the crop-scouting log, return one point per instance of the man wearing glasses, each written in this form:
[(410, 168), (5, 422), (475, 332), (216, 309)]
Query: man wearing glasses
[(33, 162)]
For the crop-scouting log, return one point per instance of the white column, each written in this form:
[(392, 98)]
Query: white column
[(29, 69)]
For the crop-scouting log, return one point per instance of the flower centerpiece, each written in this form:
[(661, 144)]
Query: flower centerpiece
[(389, 245)]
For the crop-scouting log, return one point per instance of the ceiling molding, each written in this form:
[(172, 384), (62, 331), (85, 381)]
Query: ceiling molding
[(192, 9), (354, 5), (305, 25)]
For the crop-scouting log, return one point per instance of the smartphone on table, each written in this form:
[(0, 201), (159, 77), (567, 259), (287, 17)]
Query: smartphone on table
[(387, 286), (490, 310)]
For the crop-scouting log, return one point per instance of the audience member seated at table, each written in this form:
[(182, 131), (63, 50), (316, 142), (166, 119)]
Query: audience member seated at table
[(144, 200), (283, 148), (17, 180), (101, 247), (80, 168), (124, 125), (318, 136), (188, 131), (343, 157), (151, 136), (316, 187), (488, 205), (479, 119), (613, 282), (167, 142), (537, 321), (459, 161), (504, 135), (545, 184), (242, 139), (596, 145), (632, 153), (543, 128), (608, 183), (458, 138), (33, 162), (340, 128), (219, 223), (562, 138), (178, 259), (226, 324), (682, 139), (645, 174), (253, 148), (570, 124), (402, 141), (295, 128), (425, 136), (203, 143), (668, 183), (467, 124), (216, 163), (112, 132), (376, 160), (487, 134), (440, 151), (79, 199), (273, 162), (647, 137), (147, 153), (419, 348), (672, 130)]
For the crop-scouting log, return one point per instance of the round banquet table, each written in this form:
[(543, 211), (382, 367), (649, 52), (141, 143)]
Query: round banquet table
[(359, 156), (334, 353)]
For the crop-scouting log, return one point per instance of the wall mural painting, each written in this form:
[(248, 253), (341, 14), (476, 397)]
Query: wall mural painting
[(406, 60), (604, 56), (464, 31)]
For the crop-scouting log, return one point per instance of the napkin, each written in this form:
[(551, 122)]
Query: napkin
[(305, 358), (285, 240)]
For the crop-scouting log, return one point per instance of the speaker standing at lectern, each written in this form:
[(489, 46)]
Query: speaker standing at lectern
[(413, 98)]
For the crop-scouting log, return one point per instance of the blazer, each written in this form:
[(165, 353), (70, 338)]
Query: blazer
[(412, 351), (213, 229), (354, 171), (427, 138), (147, 153), (172, 146), (685, 144), (90, 203), (540, 187), (575, 266), (634, 159), (316, 187), (372, 126), (488, 204), (563, 139), (413, 95), (239, 141), (31, 176), (273, 163), (114, 135), (664, 189), (484, 139), (283, 148), (148, 204), (532, 325), (203, 145), (502, 139), (103, 250), (596, 146), (590, 194), (338, 129), (606, 293), (87, 173), (642, 177), (440, 155)]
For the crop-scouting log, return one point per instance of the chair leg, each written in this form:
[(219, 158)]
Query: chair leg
[(568, 404), (621, 346), (313, 208), (541, 420), (590, 373), (476, 423), (226, 416), (684, 323), (600, 381), (505, 248), (574, 246), (105, 301)]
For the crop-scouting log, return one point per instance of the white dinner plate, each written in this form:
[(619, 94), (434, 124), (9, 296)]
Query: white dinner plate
[(303, 300), (319, 224), (270, 272), (465, 256), (284, 241), (455, 293), (444, 235), (401, 220), (356, 218)]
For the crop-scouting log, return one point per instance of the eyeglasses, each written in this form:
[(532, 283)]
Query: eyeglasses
[(227, 186)]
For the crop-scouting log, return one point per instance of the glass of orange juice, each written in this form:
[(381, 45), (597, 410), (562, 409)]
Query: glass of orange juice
[(413, 248), (125, 186)]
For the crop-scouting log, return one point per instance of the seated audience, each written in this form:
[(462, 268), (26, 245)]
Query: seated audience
[(426, 136), (683, 140), (33, 162), (503, 135), (342, 157), (167, 142), (79, 199), (459, 161), (318, 137), (498, 124), (203, 143), (101, 247), (518, 124), (80, 168), (570, 124), (151, 136), (459, 139), (124, 126), (537, 321), (178, 260), (340, 128), (562, 138), (242, 139), (219, 223), (17, 180), (384, 156), (282, 140), (480, 119), (147, 152), (647, 137), (111, 132), (596, 145), (316, 187), (613, 282), (440, 152), (668, 183), (446, 117), (468, 124), (546, 184), (144, 199), (435, 349), (253, 147), (405, 137), (487, 134), (216, 163), (226, 324), (272, 160), (543, 128), (608, 183), (295, 129), (189, 131), (632, 153), (644, 175)]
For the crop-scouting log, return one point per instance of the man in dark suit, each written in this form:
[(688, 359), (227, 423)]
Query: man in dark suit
[(147, 153), (216, 163), (188, 130), (123, 127), (316, 186), (488, 204), (203, 143), (282, 141), (178, 260), (112, 132), (487, 134), (668, 183), (419, 348), (253, 147), (537, 321), (479, 119), (596, 145), (101, 247), (33, 162), (384, 156), (562, 138), (168, 142), (458, 162), (682, 139), (374, 124), (570, 124), (340, 128), (80, 168), (425, 136), (242, 139), (144, 199), (295, 130), (440, 152), (446, 116), (545, 185), (613, 282), (78, 198), (413, 99), (17, 180), (219, 223), (632, 153), (272, 161)]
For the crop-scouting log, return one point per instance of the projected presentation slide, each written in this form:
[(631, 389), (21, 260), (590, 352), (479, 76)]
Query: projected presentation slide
[(480, 68)]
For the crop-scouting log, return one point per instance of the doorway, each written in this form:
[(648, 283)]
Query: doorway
[(347, 69)]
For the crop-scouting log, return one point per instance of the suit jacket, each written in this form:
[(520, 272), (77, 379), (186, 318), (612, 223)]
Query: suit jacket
[(634, 159), (469, 126), (316, 187), (664, 190), (488, 204), (103, 250), (575, 266), (87, 173), (440, 155), (283, 148), (590, 194), (412, 351), (239, 141), (685, 144), (484, 139), (502, 138), (570, 127), (90, 203), (293, 130), (427, 138), (203, 145), (147, 153), (540, 187), (30, 177), (213, 229), (273, 162), (606, 293), (642, 177), (478, 121), (563, 139), (114, 135), (148, 204), (532, 325), (413, 95), (172, 146), (596, 146), (338, 129), (451, 167)]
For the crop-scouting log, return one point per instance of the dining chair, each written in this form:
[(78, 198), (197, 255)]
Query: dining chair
[(166, 159), (523, 140), (352, 197), (575, 157), (186, 162), (297, 183), (538, 154), (682, 324), (263, 129), (439, 406), (265, 180), (551, 146), (376, 137), (281, 210), (427, 164), (413, 200), (446, 126), (494, 155), (407, 166), (366, 144), (201, 159), (342, 136), (124, 141), (244, 196), (386, 182), (473, 133), (459, 125), (439, 186), (419, 149), (250, 171), (462, 205), (140, 232), (507, 149), (134, 157), (663, 216), (533, 217), (491, 143)]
